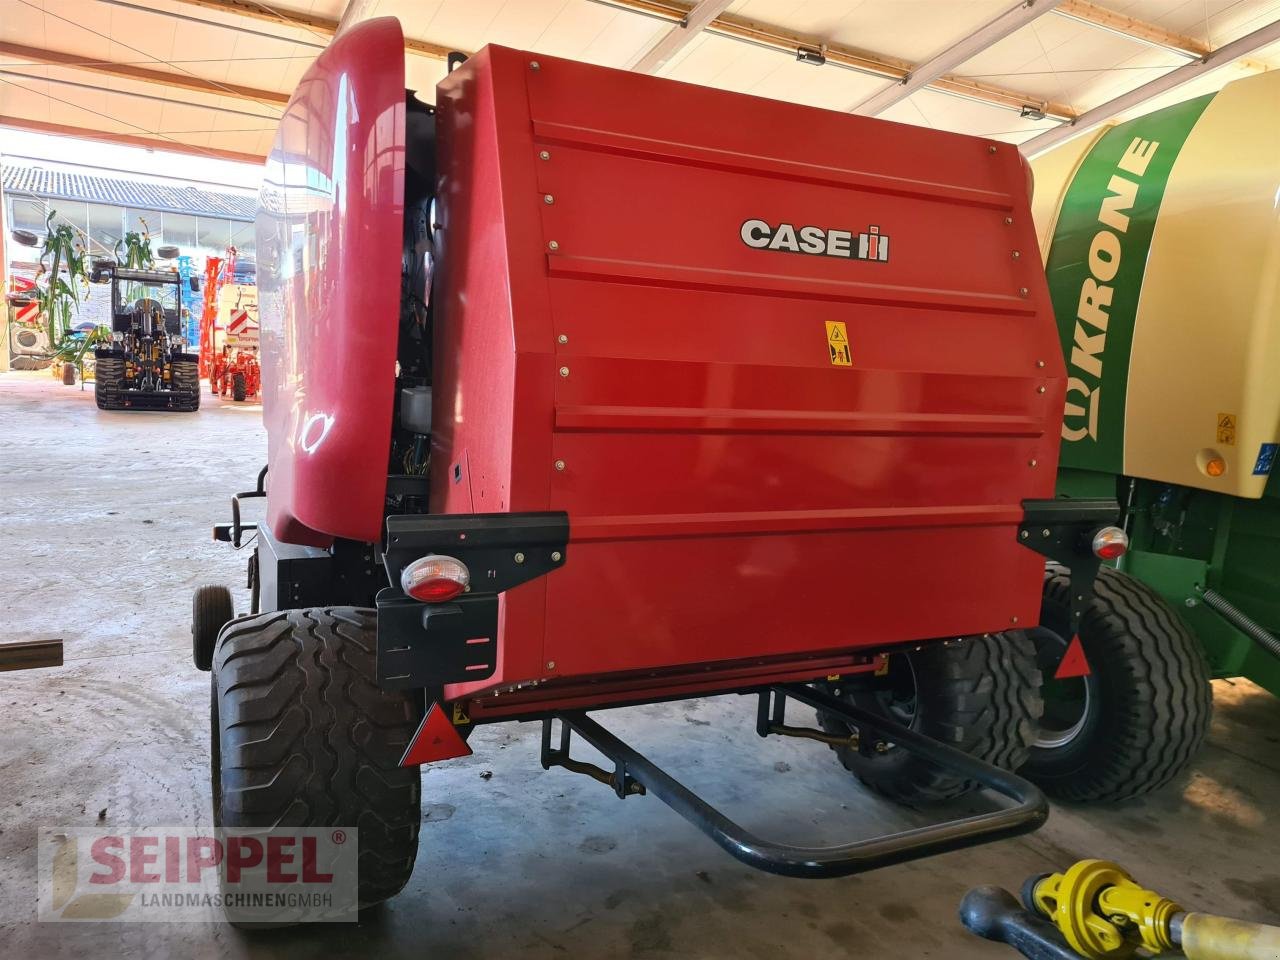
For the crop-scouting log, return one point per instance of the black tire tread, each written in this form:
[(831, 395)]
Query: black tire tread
[(211, 610), (1157, 669), (980, 695), (108, 372), (309, 739), (186, 385)]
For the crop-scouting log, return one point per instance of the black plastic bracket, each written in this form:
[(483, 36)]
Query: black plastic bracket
[(1063, 530), (431, 644), (1027, 812)]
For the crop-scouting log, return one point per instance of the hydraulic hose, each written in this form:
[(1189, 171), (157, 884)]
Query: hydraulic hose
[(1243, 622)]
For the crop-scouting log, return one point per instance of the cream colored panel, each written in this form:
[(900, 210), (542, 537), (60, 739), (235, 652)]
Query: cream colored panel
[(1207, 336), (1054, 172)]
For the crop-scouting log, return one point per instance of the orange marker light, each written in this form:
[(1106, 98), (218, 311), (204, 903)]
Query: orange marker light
[(1215, 467)]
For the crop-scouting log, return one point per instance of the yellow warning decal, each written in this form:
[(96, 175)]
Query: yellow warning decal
[(838, 344), (1227, 429), (460, 717)]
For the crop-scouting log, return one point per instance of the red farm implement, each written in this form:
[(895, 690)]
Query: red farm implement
[(596, 389)]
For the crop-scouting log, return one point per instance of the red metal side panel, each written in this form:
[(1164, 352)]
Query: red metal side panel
[(329, 235), (732, 493)]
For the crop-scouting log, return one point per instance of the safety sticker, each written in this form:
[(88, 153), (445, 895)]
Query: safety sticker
[(460, 717), (1227, 429), (1266, 459), (838, 344)]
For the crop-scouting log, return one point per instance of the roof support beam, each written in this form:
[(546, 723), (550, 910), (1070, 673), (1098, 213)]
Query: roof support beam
[(217, 24), (354, 12), (1132, 28), (680, 36), (322, 26), (1222, 57), (817, 51), (126, 71), (62, 81), (921, 75), (129, 139)]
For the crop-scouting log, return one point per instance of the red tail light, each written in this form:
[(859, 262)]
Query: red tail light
[(435, 578), (1109, 543)]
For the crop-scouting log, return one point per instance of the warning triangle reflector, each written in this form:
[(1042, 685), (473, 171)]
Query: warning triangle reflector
[(436, 739), (1074, 663)]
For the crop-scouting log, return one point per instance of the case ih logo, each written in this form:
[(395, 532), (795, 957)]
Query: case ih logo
[(819, 242), (286, 875)]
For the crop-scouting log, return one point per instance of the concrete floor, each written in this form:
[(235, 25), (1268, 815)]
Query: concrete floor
[(106, 535)]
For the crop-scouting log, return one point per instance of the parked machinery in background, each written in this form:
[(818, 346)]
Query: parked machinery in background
[(146, 365), (192, 301), (236, 372), (28, 339)]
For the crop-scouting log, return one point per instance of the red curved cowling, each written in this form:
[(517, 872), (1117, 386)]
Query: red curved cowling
[(329, 230)]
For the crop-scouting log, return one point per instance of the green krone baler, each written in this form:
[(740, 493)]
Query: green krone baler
[(1162, 248)]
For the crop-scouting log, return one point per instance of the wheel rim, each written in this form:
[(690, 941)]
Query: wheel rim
[(1066, 702)]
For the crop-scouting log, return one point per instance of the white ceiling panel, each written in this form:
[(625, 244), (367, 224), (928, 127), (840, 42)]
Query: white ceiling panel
[(1053, 59)]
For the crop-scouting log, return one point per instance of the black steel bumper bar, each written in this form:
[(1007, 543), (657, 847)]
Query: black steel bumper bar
[(633, 770)]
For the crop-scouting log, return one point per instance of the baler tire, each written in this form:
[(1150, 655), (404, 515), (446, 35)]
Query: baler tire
[(980, 694), (302, 736), (1151, 701), (211, 610)]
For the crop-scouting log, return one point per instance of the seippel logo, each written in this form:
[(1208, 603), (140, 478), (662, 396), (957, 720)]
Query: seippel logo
[(816, 241), (177, 874)]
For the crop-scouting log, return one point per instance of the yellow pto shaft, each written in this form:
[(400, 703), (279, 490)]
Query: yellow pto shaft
[(1103, 914)]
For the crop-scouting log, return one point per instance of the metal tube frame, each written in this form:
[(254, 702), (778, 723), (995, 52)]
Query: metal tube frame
[(635, 773)]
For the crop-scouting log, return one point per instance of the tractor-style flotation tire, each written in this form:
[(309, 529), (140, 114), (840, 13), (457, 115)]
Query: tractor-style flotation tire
[(109, 371), (1137, 719), (186, 385), (979, 694), (211, 610), (238, 388), (302, 736)]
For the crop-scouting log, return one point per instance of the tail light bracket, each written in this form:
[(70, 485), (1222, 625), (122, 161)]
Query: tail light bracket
[(502, 550), (1063, 530), (432, 644)]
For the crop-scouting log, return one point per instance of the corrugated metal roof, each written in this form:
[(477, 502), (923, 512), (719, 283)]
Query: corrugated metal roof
[(62, 184)]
